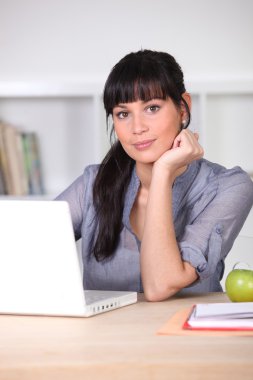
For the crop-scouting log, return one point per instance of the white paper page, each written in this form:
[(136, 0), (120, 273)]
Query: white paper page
[(224, 310)]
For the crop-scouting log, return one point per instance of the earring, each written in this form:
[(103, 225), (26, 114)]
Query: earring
[(184, 122)]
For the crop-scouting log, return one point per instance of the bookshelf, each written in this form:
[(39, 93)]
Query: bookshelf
[(70, 123)]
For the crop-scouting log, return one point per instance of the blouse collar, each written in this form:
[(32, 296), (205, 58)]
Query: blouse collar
[(181, 186)]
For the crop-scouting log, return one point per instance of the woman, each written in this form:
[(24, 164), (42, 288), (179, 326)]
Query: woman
[(155, 216)]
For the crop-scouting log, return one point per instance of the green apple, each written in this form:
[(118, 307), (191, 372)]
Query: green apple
[(239, 285)]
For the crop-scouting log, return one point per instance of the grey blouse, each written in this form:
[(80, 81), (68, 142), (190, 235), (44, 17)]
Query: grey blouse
[(210, 205)]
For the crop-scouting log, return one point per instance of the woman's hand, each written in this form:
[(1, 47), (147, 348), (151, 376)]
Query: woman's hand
[(184, 150)]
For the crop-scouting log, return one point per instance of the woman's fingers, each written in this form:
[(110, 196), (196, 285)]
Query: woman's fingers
[(196, 135), (184, 150), (188, 145)]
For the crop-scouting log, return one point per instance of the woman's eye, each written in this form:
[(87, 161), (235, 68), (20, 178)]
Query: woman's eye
[(153, 108), (122, 115)]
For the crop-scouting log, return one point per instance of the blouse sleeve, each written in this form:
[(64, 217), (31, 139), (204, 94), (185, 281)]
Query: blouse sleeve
[(78, 195), (216, 220)]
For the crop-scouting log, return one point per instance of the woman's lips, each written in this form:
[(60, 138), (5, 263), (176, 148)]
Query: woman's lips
[(141, 145)]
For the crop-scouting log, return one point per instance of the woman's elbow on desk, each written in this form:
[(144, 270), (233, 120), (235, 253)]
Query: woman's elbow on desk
[(160, 290), (157, 295)]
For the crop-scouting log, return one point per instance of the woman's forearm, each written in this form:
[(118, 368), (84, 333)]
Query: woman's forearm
[(163, 271)]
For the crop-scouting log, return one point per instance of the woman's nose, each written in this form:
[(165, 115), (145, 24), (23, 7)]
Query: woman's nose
[(139, 125)]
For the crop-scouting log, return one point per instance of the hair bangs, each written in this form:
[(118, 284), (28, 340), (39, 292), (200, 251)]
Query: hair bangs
[(144, 75), (128, 91)]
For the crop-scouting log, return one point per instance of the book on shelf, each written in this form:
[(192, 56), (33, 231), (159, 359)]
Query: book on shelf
[(3, 164), (20, 163), (2, 183), (32, 162), (221, 316)]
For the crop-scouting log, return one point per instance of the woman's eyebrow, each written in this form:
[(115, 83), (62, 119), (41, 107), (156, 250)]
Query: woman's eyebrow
[(120, 106), (151, 100), (124, 105)]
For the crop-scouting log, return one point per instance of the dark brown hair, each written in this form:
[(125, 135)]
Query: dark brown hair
[(143, 75)]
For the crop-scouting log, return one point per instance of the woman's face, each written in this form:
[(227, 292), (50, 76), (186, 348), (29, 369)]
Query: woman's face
[(146, 130)]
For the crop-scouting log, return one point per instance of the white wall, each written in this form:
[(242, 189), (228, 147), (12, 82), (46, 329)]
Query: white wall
[(73, 39)]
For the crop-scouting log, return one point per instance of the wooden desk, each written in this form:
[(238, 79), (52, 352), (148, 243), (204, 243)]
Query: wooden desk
[(121, 344)]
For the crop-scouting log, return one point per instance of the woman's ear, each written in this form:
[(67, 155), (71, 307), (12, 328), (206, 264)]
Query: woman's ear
[(187, 98)]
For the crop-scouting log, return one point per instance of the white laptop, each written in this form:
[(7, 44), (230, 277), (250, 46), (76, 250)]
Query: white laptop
[(40, 272)]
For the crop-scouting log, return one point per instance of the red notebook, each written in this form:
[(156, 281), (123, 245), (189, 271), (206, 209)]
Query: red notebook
[(221, 316)]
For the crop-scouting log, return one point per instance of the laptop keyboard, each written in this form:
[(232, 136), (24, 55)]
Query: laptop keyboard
[(92, 296)]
